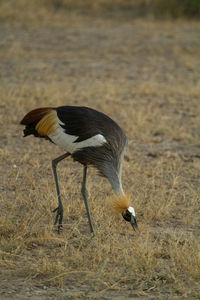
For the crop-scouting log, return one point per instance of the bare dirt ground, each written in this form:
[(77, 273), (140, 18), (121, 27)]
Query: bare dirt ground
[(145, 75)]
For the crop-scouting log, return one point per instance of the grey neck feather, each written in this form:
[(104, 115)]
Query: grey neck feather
[(112, 169), (114, 178), (117, 187)]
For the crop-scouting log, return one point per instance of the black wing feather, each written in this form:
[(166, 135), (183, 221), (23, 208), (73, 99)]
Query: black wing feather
[(85, 123)]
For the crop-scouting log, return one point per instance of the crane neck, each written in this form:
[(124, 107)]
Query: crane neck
[(113, 174), (117, 187)]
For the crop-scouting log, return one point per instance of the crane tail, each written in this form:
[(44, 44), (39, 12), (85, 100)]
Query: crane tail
[(35, 115), (40, 122)]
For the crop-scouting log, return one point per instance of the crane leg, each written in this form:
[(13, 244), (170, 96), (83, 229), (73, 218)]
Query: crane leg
[(59, 209), (84, 194)]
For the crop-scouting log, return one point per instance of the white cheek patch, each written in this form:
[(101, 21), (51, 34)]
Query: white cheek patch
[(131, 210)]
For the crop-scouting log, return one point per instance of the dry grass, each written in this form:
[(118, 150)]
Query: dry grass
[(146, 76), (37, 12)]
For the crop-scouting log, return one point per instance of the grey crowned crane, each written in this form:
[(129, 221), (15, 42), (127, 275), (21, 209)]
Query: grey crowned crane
[(91, 138)]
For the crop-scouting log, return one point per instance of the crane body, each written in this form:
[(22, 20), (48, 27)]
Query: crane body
[(90, 138)]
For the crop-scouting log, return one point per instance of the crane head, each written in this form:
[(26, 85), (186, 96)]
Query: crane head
[(129, 216), (121, 204)]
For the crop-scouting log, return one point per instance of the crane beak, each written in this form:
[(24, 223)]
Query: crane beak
[(133, 222)]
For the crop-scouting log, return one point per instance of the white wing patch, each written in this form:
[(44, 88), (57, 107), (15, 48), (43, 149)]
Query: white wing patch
[(67, 142)]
